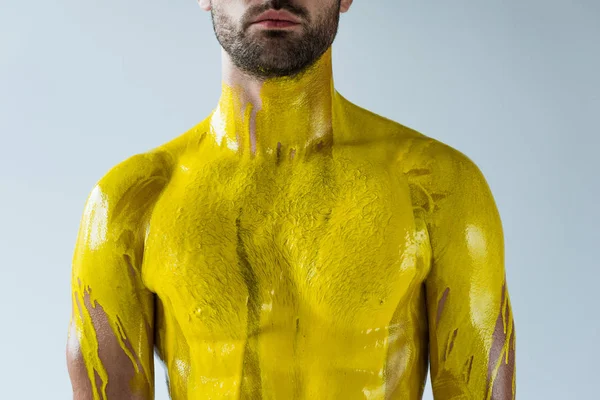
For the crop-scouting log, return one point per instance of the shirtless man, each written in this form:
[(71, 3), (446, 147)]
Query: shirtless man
[(292, 245)]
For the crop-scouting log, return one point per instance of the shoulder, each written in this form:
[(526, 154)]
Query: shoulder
[(431, 157), (126, 181), (416, 153), (449, 167), (118, 206), (423, 156), (430, 165), (441, 177), (139, 177), (459, 198), (124, 196), (457, 176)]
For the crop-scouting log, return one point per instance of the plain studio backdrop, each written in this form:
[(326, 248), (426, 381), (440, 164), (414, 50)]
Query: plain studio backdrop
[(512, 84)]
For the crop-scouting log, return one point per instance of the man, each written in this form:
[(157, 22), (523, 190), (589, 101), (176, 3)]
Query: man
[(292, 245)]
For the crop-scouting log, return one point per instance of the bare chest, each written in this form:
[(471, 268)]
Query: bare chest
[(239, 249)]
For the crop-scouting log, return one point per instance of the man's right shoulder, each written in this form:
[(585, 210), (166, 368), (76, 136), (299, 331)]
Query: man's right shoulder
[(128, 190), (134, 172), (140, 178)]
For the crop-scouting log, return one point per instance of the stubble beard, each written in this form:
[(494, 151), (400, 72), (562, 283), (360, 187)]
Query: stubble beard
[(271, 53)]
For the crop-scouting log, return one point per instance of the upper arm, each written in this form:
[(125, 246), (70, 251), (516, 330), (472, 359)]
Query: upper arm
[(472, 336), (110, 344)]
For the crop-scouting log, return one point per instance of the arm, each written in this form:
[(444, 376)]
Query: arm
[(110, 343), (471, 328)]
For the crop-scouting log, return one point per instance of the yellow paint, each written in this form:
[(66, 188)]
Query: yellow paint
[(305, 264)]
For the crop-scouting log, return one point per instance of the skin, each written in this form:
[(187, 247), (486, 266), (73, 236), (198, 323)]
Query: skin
[(292, 245)]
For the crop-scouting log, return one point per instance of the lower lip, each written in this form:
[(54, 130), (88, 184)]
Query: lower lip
[(273, 23)]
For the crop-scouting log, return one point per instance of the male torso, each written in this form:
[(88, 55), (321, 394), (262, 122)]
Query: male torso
[(291, 246), (298, 275), (334, 270)]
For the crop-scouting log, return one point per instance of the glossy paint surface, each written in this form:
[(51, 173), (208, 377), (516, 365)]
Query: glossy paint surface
[(265, 263)]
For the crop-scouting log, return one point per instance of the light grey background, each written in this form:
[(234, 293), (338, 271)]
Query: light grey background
[(512, 84)]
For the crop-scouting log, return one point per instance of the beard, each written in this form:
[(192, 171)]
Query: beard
[(271, 53)]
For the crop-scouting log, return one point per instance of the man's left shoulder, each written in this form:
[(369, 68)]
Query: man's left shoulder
[(450, 163), (460, 190), (422, 155), (441, 174)]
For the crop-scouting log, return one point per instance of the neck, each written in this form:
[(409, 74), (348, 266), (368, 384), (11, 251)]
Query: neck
[(275, 116)]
